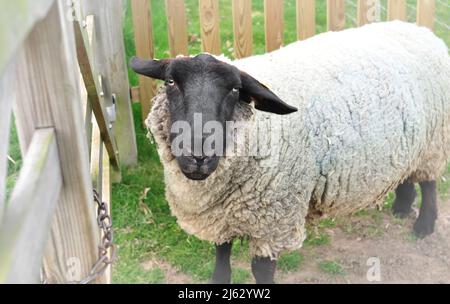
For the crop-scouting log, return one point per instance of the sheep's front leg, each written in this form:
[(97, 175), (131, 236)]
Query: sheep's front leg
[(428, 210), (222, 270), (263, 269)]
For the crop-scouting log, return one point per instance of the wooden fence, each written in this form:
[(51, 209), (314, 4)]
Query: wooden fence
[(242, 27), (63, 71)]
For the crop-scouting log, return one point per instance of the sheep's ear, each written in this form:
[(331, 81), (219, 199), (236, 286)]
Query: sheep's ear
[(151, 68), (265, 99)]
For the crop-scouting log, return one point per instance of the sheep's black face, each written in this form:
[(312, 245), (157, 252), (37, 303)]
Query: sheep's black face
[(202, 93)]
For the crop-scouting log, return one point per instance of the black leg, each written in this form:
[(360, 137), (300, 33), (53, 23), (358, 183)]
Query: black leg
[(222, 270), (404, 198), (428, 210), (263, 270)]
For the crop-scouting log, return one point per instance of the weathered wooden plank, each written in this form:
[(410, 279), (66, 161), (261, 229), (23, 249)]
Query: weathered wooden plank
[(85, 102), (17, 18), (176, 21), (94, 89), (210, 26), (135, 94), (242, 28), (362, 8), (96, 158), (48, 94), (306, 19), (110, 62), (7, 93), (368, 11), (274, 24), (396, 10), (335, 15), (26, 225), (88, 125), (426, 13), (143, 37), (87, 110)]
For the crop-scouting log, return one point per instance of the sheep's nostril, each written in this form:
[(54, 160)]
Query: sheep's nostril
[(199, 159)]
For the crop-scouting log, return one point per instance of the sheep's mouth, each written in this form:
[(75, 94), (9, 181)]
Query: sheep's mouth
[(197, 168), (197, 176)]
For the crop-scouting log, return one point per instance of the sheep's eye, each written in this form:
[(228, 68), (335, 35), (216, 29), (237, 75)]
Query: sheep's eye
[(235, 90), (170, 82)]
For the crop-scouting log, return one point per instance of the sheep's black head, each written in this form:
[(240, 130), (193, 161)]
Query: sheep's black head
[(202, 93)]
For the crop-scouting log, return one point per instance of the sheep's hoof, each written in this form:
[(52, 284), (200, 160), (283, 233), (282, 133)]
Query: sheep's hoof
[(221, 277), (423, 228)]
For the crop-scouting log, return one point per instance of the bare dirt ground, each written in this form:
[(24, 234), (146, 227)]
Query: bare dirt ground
[(402, 257), (171, 274)]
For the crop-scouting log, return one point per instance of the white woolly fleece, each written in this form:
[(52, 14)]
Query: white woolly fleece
[(374, 110)]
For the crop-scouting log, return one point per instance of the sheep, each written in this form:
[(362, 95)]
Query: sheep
[(359, 113)]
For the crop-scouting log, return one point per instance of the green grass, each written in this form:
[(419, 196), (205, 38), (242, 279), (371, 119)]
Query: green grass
[(316, 238), (364, 223), (389, 201), (134, 274), (316, 234), (240, 276), (327, 223), (371, 213), (331, 268), (14, 160), (363, 230), (290, 261), (443, 185), (410, 237)]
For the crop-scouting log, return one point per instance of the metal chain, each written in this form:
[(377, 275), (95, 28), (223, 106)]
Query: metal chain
[(106, 248), (106, 245)]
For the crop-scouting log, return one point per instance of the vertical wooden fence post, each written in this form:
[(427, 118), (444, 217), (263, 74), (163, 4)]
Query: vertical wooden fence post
[(176, 20), (110, 63), (242, 28), (48, 95), (274, 24), (425, 13), (368, 11), (143, 37), (306, 19), (335, 15), (210, 26), (396, 10)]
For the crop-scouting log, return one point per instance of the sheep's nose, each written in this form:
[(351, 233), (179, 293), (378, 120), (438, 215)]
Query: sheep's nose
[(199, 159)]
